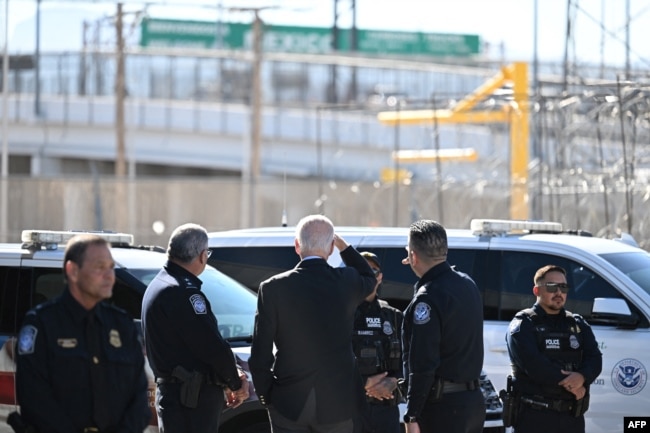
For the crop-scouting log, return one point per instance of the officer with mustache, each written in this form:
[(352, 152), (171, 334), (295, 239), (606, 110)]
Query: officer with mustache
[(554, 358)]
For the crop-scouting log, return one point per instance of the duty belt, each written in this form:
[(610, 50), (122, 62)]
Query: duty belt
[(449, 387), (542, 403)]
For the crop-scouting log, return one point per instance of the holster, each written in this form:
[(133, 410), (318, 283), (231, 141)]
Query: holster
[(191, 382), (510, 407), (581, 406), (438, 388), (510, 404)]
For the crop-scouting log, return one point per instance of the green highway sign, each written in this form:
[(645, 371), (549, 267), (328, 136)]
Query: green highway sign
[(417, 43), (318, 40)]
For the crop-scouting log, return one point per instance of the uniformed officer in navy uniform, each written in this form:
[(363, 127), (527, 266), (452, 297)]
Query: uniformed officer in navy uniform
[(194, 366), (442, 339), (80, 362), (554, 356), (377, 345)]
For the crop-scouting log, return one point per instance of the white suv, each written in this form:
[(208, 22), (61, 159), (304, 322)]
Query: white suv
[(31, 273), (610, 282)]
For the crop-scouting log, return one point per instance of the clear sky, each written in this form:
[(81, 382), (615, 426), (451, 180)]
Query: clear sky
[(507, 26)]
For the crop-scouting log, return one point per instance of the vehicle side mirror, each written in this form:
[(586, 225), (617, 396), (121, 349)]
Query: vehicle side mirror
[(613, 311)]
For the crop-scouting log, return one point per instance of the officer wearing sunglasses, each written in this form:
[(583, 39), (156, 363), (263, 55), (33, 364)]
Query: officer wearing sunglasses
[(554, 357)]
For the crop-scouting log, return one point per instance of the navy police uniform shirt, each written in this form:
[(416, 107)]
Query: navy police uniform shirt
[(376, 338), (442, 334), (53, 369), (540, 370), (180, 329)]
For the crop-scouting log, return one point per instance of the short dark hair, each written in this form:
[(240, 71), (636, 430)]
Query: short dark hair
[(429, 238), (75, 249), (541, 272)]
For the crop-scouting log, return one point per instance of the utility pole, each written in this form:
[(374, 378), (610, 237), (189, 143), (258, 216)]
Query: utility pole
[(354, 45), (256, 113), (37, 70), (627, 40), (332, 96), (120, 158), (121, 220), (567, 36), (4, 164), (81, 85)]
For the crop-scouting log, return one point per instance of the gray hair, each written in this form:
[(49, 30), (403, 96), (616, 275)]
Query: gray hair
[(315, 234), (187, 242), (429, 239)]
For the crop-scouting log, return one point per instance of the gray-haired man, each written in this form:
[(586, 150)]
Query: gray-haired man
[(185, 349)]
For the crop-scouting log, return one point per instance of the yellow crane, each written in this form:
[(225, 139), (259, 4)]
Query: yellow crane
[(516, 114)]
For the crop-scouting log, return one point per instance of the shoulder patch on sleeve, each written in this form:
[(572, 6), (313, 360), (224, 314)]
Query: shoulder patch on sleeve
[(421, 313), (515, 325), (27, 340), (198, 304)]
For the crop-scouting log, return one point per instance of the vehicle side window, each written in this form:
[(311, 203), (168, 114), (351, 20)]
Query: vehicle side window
[(15, 297), (8, 294), (398, 279), (48, 284), (474, 263), (251, 265), (517, 273), (126, 298)]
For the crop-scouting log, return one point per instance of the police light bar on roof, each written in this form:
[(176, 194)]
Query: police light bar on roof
[(487, 227), (51, 237)]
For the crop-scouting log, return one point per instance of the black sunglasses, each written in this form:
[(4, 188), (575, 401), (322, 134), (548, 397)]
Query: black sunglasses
[(376, 271), (553, 287)]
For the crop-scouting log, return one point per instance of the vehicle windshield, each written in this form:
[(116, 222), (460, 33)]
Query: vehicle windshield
[(635, 265), (232, 303)]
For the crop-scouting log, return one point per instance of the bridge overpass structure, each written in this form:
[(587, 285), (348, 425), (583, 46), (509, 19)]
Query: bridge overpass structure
[(191, 112), (208, 137)]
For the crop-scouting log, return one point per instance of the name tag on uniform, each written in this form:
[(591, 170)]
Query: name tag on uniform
[(67, 343)]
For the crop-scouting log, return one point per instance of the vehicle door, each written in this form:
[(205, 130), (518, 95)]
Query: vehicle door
[(589, 277)]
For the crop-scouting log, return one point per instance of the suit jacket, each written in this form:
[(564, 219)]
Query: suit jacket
[(308, 313)]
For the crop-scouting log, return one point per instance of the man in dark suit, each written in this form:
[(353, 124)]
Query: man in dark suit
[(310, 383)]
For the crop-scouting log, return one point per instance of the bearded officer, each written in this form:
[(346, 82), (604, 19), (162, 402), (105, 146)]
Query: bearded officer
[(554, 357)]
